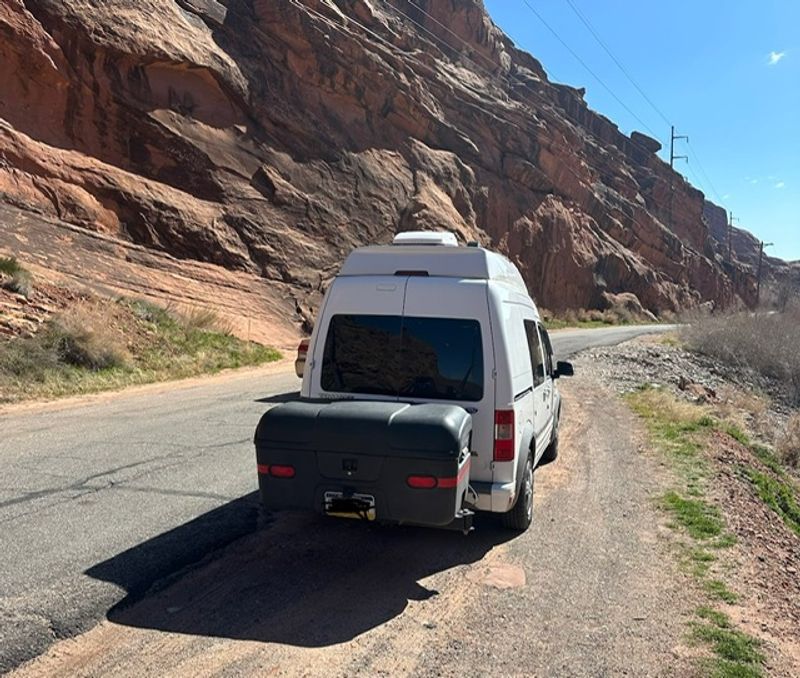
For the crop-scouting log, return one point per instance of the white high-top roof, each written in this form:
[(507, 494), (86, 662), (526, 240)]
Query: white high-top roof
[(434, 260)]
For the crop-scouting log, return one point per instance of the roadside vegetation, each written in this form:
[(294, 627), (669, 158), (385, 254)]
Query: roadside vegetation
[(14, 277), (581, 318), (99, 344), (682, 431), (764, 342)]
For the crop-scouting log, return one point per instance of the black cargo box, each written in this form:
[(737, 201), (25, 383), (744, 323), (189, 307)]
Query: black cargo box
[(385, 461)]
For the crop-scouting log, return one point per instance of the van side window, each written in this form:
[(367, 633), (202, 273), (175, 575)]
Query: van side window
[(535, 348), (548, 350)]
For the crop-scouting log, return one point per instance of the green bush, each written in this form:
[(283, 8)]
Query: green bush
[(14, 277), (29, 359), (86, 348)]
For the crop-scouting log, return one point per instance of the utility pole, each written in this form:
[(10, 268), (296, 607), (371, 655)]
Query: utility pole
[(731, 219), (672, 158), (758, 277), (672, 139)]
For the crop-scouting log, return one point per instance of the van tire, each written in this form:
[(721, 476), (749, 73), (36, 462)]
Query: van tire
[(520, 517)]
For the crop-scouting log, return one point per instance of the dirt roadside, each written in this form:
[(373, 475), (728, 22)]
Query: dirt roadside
[(589, 590)]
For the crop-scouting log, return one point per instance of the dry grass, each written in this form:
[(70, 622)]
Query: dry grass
[(84, 336), (203, 319), (745, 410), (661, 404), (99, 344), (618, 315), (764, 342), (789, 443)]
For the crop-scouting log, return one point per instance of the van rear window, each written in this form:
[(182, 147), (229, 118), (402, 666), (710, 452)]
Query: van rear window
[(406, 357)]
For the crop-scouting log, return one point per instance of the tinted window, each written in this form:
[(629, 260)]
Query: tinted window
[(548, 350), (432, 358), (362, 354), (535, 348)]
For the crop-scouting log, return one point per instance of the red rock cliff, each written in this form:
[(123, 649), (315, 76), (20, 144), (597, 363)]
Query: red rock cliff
[(272, 136)]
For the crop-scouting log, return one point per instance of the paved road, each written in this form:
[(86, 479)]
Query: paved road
[(100, 500)]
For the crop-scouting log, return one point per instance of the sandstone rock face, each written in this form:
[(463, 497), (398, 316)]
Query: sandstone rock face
[(272, 136), (736, 247)]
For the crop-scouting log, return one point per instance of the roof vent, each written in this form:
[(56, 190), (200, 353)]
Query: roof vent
[(440, 238)]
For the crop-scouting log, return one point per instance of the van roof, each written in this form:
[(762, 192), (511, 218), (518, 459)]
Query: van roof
[(433, 260)]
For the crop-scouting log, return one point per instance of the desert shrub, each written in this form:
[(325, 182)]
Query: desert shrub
[(203, 319), (571, 316), (9, 266), (83, 337), (668, 317), (27, 358), (546, 314), (789, 442), (622, 315), (747, 411), (14, 277), (596, 316), (148, 311), (764, 342)]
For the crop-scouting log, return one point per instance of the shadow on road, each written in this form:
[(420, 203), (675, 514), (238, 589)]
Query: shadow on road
[(280, 397), (136, 569), (302, 580)]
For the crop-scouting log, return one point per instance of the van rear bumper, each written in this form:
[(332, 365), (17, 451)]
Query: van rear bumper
[(494, 497)]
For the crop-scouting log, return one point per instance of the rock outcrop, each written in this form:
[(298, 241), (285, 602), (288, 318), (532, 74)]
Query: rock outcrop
[(272, 136), (737, 249)]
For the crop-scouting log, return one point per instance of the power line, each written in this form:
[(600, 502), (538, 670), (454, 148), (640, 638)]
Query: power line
[(608, 51), (703, 172), (588, 69), (346, 30), (486, 71)]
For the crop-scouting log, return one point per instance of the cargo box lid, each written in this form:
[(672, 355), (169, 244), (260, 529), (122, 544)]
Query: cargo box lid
[(367, 427)]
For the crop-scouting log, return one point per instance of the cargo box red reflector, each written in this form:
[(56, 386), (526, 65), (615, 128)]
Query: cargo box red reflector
[(277, 471), (263, 469), (421, 482), (449, 483)]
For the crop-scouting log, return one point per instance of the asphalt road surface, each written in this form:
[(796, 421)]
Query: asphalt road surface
[(103, 498)]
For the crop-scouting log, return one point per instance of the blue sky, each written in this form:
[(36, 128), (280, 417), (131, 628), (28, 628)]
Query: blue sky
[(725, 73)]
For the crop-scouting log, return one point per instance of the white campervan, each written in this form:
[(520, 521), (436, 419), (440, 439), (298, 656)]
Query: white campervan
[(424, 320)]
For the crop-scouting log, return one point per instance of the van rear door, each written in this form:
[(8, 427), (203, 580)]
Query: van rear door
[(350, 303), (449, 356)]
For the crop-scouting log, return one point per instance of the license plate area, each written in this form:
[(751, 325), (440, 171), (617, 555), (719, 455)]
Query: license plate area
[(356, 505)]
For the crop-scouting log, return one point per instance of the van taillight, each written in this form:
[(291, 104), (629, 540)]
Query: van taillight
[(504, 435), (303, 348)]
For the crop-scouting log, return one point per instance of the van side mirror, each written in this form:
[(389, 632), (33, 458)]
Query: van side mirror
[(564, 369)]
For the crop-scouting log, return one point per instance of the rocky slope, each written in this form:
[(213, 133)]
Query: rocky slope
[(740, 246), (271, 136)]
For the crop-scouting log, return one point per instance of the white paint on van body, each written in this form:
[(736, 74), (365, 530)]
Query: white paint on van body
[(464, 283)]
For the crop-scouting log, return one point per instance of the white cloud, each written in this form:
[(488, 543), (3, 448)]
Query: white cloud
[(753, 181), (780, 184), (775, 57), (726, 196)]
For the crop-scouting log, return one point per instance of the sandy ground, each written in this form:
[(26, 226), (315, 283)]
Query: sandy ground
[(589, 590)]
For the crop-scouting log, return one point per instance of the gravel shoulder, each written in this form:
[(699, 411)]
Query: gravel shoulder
[(589, 590)]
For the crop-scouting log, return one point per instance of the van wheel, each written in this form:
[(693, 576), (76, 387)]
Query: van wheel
[(520, 516), (551, 453)]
